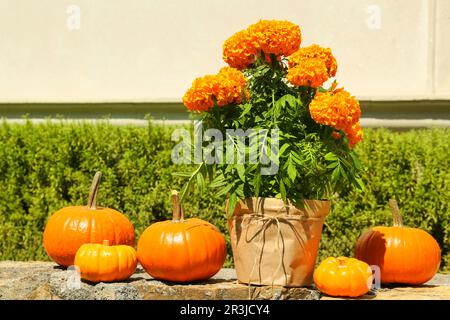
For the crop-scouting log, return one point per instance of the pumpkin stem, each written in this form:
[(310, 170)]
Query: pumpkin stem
[(177, 210), (106, 242), (396, 214), (92, 201)]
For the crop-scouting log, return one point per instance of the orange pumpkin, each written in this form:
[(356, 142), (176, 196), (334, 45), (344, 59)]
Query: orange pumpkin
[(404, 255), (343, 277), (70, 227), (181, 250), (105, 263)]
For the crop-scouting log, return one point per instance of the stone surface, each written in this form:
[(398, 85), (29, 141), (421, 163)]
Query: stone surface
[(47, 281), (437, 288), (26, 280)]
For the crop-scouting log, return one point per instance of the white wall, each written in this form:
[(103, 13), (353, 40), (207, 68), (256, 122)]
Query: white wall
[(150, 50)]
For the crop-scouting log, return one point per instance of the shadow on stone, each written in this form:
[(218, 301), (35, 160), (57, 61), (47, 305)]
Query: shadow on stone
[(59, 268)]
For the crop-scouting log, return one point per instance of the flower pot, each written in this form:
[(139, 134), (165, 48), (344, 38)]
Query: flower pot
[(275, 243)]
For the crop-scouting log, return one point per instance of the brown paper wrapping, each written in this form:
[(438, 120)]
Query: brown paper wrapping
[(274, 243)]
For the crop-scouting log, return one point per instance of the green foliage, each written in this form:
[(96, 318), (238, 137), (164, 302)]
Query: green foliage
[(46, 167), (311, 163), (412, 167)]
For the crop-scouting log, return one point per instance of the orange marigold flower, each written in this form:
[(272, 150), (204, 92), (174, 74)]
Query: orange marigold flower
[(315, 52), (281, 38), (199, 97), (354, 134), (230, 86), (311, 73), (239, 50), (339, 110)]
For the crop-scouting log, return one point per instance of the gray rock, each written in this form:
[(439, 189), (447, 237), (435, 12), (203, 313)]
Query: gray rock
[(116, 291), (24, 280), (45, 280), (440, 280), (225, 274), (67, 286)]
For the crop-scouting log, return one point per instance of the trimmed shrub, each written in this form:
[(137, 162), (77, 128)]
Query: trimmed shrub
[(48, 166)]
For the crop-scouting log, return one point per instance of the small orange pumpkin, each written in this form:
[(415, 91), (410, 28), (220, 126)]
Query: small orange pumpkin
[(105, 263), (181, 250), (404, 255), (343, 277), (70, 227)]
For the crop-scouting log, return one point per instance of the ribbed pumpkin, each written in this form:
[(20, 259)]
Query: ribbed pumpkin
[(404, 255), (70, 227), (105, 263), (343, 277), (181, 250)]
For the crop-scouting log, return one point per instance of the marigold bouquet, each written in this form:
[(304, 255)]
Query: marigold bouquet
[(273, 84)]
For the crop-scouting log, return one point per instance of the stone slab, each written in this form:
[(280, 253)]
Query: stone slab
[(437, 288), (47, 281)]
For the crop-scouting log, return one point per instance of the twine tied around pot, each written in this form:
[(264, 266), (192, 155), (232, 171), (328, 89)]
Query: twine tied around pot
[(298, 227), (267, 222)]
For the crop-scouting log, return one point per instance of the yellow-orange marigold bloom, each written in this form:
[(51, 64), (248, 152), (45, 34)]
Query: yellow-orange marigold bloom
[(312, 72), (230, 86), (281, 38), (315, 52), (354, 134), (339, 109), (239, 50), (278, 37), (199, 96)]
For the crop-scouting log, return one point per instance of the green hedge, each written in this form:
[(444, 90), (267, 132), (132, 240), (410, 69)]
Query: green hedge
[(49, 166)]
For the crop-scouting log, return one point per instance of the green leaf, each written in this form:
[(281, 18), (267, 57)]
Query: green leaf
[(200, 182), (291, 100), (182, 174), (356, 161), (333, 165), (247, 108), (360, 184), (224, 190), (331, 157), (232, 200), (283, 148), (257, 183), (219, 181), (282, 189), (336, 174), (240, 168), (292, 170), (343, 173)]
